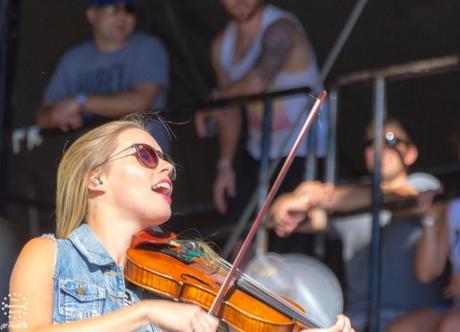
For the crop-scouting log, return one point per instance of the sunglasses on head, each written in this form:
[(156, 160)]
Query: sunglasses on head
[(147, 157), (112, 10), (390, 140)]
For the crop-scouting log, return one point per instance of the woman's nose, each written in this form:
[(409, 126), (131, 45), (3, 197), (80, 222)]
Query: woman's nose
[(168, 168)]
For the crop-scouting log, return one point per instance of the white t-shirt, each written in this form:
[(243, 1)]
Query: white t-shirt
[(288, 113), (453, 220)]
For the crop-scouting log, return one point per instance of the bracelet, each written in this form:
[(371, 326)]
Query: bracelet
[(81, 100), (223, 163), (428, 221)]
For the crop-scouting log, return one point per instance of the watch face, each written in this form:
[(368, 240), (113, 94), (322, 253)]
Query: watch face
[(81, 99)]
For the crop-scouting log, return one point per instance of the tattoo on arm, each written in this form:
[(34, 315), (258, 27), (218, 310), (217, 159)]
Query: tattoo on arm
[(277, 44)]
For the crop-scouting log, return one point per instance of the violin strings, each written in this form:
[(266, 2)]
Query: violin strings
[(254, 287), (286, 307), (266, 295), (257, 285)]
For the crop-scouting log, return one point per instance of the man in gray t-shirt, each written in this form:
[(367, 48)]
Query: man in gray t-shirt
[(401, 291), (117, 73)]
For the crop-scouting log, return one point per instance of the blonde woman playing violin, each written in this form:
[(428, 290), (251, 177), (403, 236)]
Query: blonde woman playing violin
[(112, 182)]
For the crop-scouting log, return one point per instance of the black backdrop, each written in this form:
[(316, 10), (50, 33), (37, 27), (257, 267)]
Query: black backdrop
[(389, 32)]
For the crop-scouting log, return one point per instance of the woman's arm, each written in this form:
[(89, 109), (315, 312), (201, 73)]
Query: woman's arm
[(32, 280)]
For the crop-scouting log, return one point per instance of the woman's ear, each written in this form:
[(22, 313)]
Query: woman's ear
[(411, 155), (95, 182)]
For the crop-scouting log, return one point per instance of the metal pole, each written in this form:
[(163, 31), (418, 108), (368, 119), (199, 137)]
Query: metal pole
[(9, 23), (319, 240), (264, 176), (252, 203), (4, 25), (331, 157), (375, 259), (185, 49), (344, 34), (310, 160)]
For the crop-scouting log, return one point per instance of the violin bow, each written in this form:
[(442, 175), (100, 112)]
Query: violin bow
[(271, 195)]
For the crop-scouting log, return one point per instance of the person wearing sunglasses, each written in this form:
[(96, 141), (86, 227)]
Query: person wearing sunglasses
[(401, 292), (118, 72), (112, 182), (438, 252)]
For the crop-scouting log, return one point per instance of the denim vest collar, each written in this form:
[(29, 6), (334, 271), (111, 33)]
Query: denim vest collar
[(88, 245)]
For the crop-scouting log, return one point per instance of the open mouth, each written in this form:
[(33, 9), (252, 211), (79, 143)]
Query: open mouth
[(164, 188)]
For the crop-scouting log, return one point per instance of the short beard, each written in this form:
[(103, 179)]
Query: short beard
[(391, 176), (251, 14)]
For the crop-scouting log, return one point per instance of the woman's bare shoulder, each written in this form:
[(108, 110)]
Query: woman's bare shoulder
[(36, 257), (39, 246), (32, 280)]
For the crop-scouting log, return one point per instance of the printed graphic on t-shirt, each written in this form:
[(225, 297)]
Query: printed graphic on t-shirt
[(103, 80), (280, 118)]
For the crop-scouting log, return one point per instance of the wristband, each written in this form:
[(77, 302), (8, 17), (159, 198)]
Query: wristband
[(223, 163), (81, 100), (428, 221)]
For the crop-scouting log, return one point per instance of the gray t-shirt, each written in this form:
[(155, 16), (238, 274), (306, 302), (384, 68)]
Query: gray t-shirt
[(398, 243), (86, 70)]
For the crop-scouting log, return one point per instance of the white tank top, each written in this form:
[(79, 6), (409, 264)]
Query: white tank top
[(286, 111), (453, 219)]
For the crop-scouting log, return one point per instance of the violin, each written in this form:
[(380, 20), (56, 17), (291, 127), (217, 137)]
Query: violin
[(184, 271), (191, 272)]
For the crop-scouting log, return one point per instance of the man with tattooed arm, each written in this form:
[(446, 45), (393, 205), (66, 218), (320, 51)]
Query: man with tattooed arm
[(262, 48)]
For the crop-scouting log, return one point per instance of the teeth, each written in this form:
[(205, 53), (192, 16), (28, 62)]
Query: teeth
[(163, 187)]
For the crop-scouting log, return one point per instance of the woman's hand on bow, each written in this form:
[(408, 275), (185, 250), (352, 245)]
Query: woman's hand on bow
[(342, 324)]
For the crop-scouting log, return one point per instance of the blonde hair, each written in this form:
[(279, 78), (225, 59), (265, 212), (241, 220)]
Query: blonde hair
[(82, 158)]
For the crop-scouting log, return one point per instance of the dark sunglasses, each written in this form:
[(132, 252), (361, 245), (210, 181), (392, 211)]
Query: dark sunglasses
[(112, 10), (147, 157), (390, 140)]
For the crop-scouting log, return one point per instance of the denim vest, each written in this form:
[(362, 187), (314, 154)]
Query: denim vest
[(87, 281)]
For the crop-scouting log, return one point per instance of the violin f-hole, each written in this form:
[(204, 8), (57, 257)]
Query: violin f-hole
[(185, 276)]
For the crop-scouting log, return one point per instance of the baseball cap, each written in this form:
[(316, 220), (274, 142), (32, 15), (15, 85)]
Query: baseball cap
[(109, 2)]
